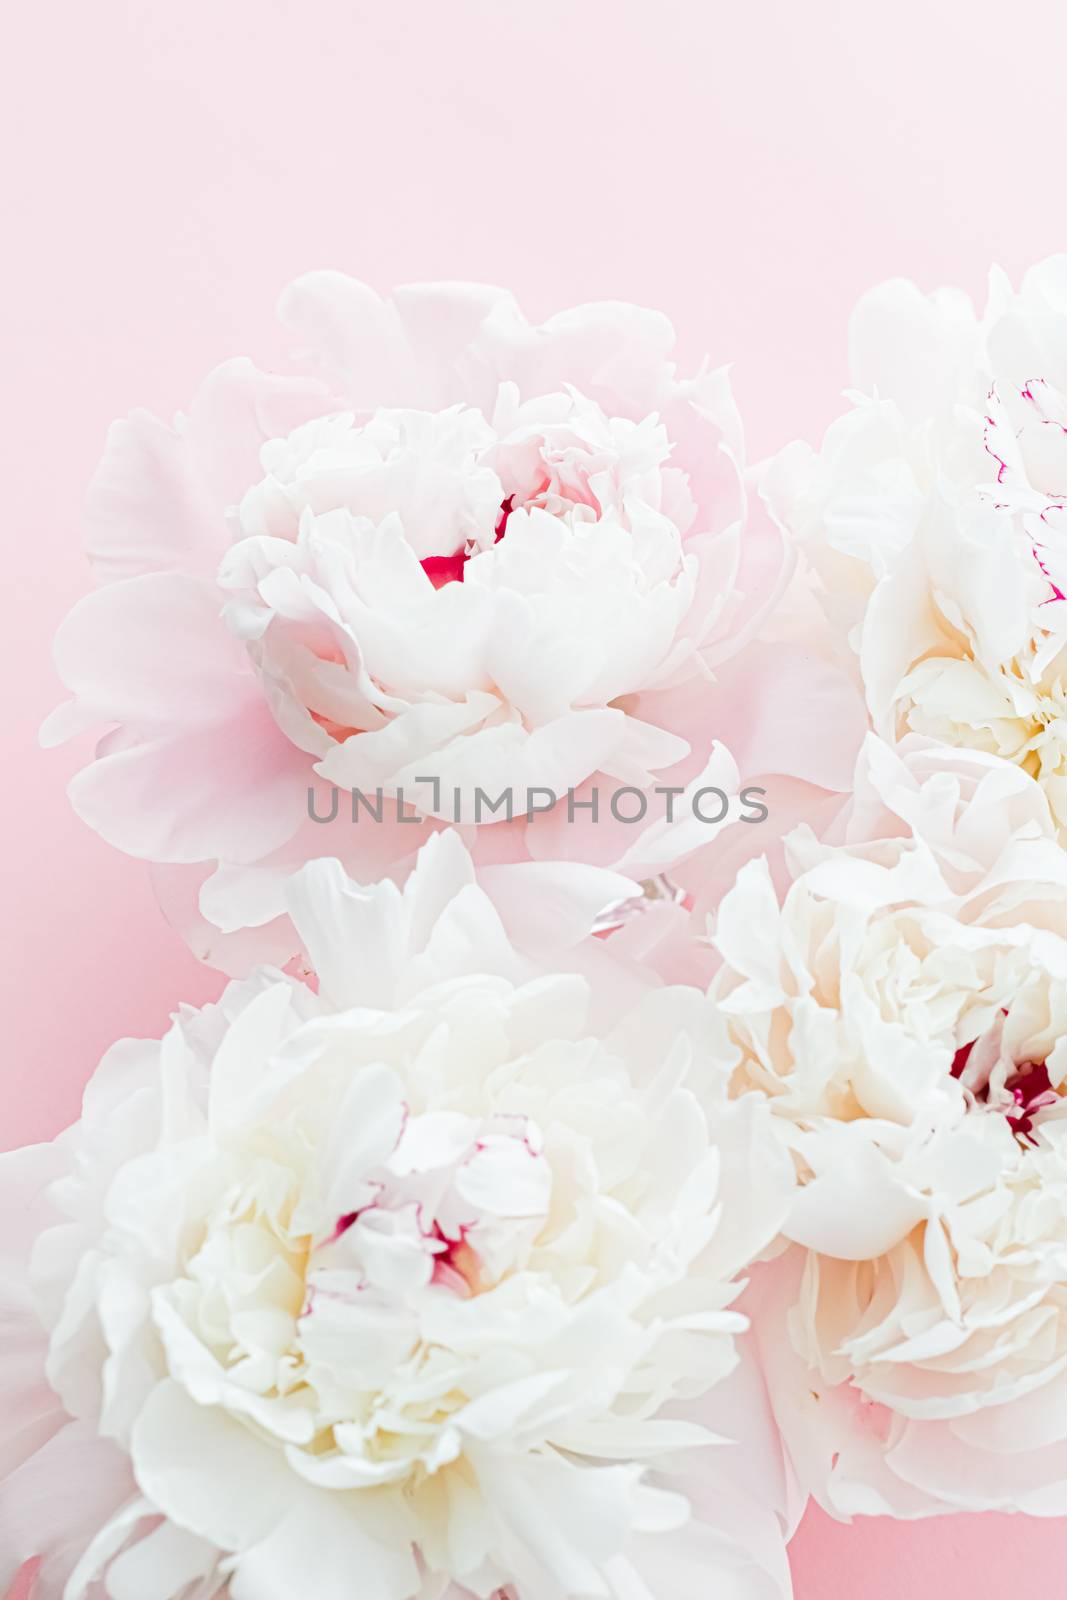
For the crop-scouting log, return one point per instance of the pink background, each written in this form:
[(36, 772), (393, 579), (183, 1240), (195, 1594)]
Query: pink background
[(748, 167)]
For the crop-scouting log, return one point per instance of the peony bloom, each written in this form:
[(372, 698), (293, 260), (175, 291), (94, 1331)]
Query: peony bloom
[(477, 557), (934, 521), (903, 1009), (423, 1276)]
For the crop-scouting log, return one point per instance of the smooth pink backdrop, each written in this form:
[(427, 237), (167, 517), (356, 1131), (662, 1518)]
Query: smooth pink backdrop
[(749, 167)]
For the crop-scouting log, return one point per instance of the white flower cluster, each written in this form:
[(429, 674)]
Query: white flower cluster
[(903, 1009), (554, 1201), (426, 1277), (934, 517)]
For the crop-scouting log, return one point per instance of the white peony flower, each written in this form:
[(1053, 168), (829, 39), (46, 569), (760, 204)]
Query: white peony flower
[(481, 566), (934, 518), (421, 1282), (903, 1009)]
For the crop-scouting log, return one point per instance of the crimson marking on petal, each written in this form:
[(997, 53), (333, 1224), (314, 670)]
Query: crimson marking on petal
[(961, 1058), (506, 508), (1032, 1091), (1030, 1088), (445, 569), (450, 569), (348, 1218)]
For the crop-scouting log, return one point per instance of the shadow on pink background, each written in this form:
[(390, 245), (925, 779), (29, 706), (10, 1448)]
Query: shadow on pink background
[(748, 168)]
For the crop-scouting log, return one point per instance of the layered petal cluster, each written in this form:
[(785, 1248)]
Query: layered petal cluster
[(903, 1009), (933, 518), (472, 558), (419, 1278)]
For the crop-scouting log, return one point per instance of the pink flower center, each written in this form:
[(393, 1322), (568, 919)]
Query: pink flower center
[(456, 1265)]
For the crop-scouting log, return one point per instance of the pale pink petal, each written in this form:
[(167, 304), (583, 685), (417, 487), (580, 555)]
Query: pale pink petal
[(159, 498)]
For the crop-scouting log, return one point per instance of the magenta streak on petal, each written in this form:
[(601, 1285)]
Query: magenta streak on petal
[(991, 426), (347, 1218), (447, 1274), (1028, 394), (523, 1139), (315, 1291), (1057, 592), (1002, 465), (450, 569)]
